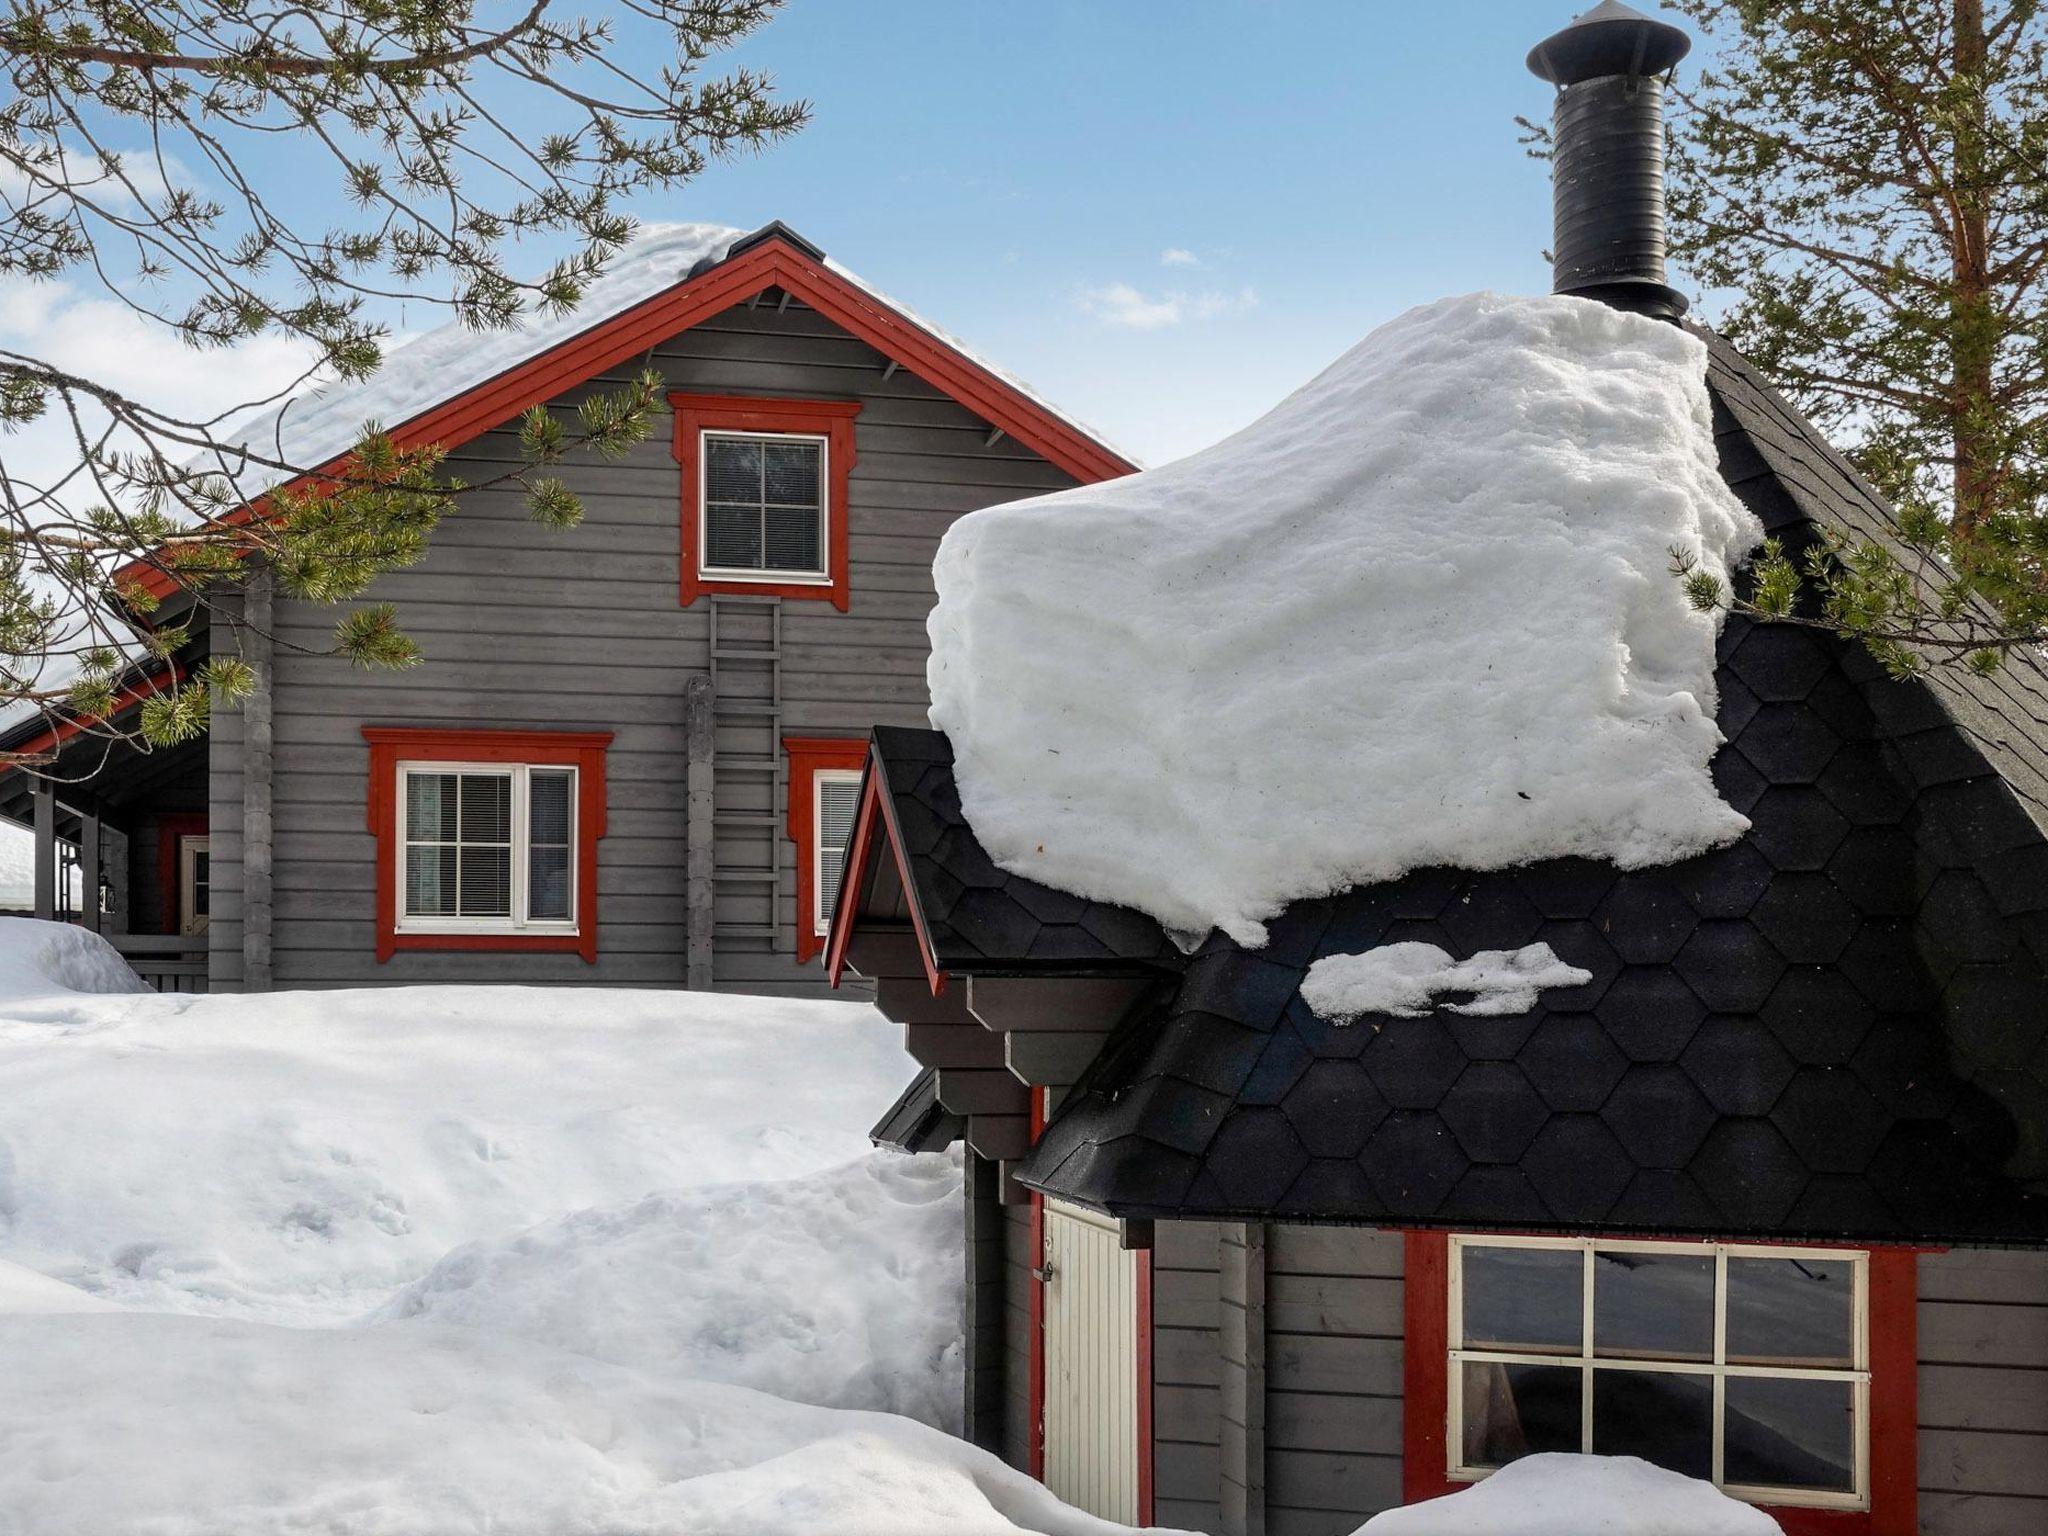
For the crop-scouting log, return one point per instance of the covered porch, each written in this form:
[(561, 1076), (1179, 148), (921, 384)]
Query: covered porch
[(121, 847)]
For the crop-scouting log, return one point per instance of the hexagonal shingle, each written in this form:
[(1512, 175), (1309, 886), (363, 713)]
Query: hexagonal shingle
[(1805, 918), (1255, 1156), (1749, 1171), (1817, 1016), (1413, 1162), (1571, 1062), (1579, 1166), (1779, 662), (1831, 1120), (1874, 869), (1413, 1063), (1334, 1108), (1492, 915), (1493, 1111), (1730, 966), (1650, 1013), (1738, 1065), (1658, 1114), (1795, 827), (1726, 882), (1788, 743), (1646, 918)]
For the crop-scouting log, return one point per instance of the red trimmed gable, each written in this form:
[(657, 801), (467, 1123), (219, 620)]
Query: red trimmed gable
[(772, 258)]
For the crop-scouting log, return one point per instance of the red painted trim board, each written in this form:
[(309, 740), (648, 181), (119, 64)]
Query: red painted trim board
[(583, 750)]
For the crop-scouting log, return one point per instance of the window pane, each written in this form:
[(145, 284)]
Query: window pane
[(1657, 1415), (1523, 1298), (792, 472), (548, 815), (1513, 1411), (838, 799), (1781, 1433), (487, 808), (1791, 1311), (430, 807), (202, 886), (429, 882), (732, 469), (793, 540), (1656, 1306), (486, 882), (547, 885), (732, 537)]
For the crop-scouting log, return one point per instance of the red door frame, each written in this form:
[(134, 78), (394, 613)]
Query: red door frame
[(1894, 1392), (1035, 1389), (172, 828)]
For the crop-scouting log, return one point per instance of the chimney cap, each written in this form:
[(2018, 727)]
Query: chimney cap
[(1610, 39)]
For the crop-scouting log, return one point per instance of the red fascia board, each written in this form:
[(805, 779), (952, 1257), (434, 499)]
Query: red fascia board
[(772, 263), (54, 736), (875, 811)]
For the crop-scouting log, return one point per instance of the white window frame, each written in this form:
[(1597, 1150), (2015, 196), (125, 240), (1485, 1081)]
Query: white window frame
[(822, 577), (521, 775), (1858, 1375), (821, 919)]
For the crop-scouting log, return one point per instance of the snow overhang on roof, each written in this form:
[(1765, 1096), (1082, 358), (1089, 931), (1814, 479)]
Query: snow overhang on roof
[(453, 384)]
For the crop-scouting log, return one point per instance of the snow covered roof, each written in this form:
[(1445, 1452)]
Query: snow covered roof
[(452, 384), (1831, 1029), (439, 365)]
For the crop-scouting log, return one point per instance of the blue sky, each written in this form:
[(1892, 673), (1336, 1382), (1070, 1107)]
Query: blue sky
[(1011, 170)]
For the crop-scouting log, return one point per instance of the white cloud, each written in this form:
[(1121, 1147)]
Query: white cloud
[(1121, 304), (1176, 256)]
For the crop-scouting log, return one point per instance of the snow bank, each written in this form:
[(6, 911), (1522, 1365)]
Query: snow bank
[(747, 1284), (49, 960), (1406, 980), (17, 862), (296, 1157), (1421, 613), (1563, 1495), (150, 1425)]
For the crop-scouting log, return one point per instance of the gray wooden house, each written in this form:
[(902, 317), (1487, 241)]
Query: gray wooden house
[(1764, 1200), (630, 754)]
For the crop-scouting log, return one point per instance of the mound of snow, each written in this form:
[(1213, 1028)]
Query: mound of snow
[(1406, 980), (23, 1291), (177, 1426), (296, 1157), (841, 1289), (38, 960), (1419, 614), (1555, 1494)]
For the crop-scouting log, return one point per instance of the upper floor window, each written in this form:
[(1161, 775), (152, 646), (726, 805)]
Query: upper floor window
[(486, 839), (764, 495), (1747, 1367)]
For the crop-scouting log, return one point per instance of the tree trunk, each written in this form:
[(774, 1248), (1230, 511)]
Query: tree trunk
[(1973, 336)]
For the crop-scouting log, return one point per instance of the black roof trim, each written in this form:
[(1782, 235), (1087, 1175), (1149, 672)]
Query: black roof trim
[(917, 1121)]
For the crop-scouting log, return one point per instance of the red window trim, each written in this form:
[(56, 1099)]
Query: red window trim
[(1894, 1392), (875, 812), (172, 828), (582, 750), (829, 419), (807, 756)]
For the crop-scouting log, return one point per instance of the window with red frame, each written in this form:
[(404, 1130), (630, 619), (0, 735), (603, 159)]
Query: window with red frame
[(486, 839), (764, 495), (1785, 1375), (824, 797)]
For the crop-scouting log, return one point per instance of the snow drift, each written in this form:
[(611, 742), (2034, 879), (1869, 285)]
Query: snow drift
[(54, 960), (1556, 1494), (840, 1289), (1421, 613)]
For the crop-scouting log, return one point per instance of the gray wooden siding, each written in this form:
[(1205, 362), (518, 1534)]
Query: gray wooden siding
[(1983, 1393), (527, 627), (1187, 1322), (1018, 1259)]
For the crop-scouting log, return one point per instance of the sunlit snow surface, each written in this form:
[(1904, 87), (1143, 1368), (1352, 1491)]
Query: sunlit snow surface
[(1421, 613), (1563, 1495), (446, 1261)]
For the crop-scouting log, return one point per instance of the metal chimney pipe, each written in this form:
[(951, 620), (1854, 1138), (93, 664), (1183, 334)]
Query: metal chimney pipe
[(1607, 156)]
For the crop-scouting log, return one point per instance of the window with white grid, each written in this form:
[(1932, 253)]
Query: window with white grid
[(1744, 1366), (763, 506), (835, 802), (488, 848)]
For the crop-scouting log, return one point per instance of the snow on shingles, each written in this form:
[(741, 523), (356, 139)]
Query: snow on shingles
[(424, 371), (1419, 614), (1407, 980)]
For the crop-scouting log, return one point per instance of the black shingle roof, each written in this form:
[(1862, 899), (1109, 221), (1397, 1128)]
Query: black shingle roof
[(917, 1121), (1835, 1028)]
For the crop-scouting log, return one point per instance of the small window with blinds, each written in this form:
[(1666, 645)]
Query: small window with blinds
[(764, 506), (836, 801), (488, 848)]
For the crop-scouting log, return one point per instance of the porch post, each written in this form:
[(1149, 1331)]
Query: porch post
[(89, 868), (44, 795)]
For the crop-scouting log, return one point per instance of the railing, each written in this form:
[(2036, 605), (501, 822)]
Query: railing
[(169, 962)]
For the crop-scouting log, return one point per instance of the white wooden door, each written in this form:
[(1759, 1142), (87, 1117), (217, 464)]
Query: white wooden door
[(1091, 1364), (195, 885)]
